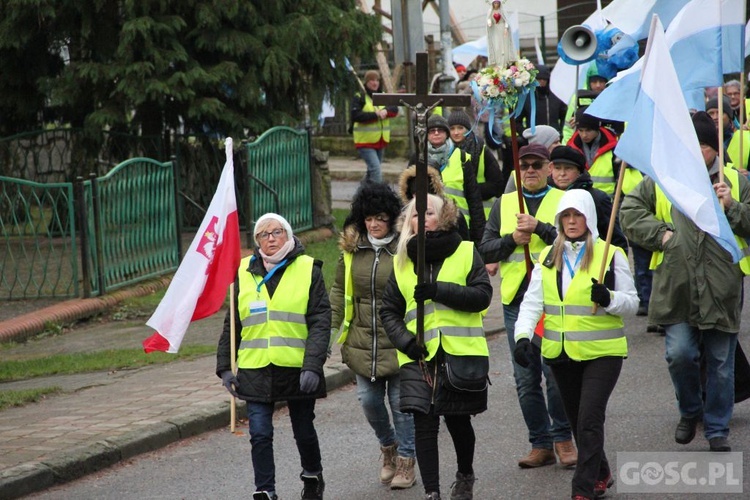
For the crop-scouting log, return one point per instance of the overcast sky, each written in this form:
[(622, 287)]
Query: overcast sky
[(471, 15)]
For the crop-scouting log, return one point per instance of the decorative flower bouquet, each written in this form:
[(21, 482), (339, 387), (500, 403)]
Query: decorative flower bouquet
[(497, 85)]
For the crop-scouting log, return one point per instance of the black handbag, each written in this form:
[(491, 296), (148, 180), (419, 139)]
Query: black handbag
[(466, 373)]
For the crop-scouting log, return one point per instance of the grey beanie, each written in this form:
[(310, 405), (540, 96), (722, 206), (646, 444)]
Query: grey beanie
[(459, 117), (437, 121), (544, 135)]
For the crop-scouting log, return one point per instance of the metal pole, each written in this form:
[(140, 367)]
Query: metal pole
[(84, 229), (177, 205), (98, 233), (544, 38), (446, 48)]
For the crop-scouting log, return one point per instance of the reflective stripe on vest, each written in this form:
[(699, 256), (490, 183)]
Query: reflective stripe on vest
[(348, 297), (460, 333), (453, 181), (664, 214), (278, 334), (603, 175), (371, 132), (569, 324), (513, 269)]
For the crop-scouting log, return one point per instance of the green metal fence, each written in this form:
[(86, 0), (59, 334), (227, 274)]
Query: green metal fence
[(40, 258), (135, 224), (279, 177)]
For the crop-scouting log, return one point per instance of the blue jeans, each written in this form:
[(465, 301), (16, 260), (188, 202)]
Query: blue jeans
[(547, 423), (643, 275), (372, 398), (683, 343), (302, 414), (373, 158)]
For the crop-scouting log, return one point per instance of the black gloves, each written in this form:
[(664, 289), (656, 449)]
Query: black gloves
[(228, 379), (425, 291), (414, 351), (525, 352), (308, 381), (600, 293)]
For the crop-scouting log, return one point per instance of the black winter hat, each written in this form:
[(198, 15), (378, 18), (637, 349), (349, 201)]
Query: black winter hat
[(566, 154), (459, 117), (586, 121), (705, 129), (437, 121), (713, 103), (544, 72)]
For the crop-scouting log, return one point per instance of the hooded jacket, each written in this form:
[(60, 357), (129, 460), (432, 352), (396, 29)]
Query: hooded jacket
[(697, 282), (416, 394), (277, 383), (368, 355)]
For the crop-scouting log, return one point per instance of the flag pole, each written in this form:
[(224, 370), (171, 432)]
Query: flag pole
[(233, 355), (721, 134), (611, 227)]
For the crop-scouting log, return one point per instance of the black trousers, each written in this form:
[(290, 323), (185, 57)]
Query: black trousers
[(585, 387), (426, 443)]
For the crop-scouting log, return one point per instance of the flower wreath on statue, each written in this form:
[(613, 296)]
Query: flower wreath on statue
[(499, 89)]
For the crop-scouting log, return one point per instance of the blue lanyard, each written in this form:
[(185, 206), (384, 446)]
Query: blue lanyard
[(268, 275), (578, 260)]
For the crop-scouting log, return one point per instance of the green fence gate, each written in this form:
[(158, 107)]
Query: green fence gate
[(279, 178)]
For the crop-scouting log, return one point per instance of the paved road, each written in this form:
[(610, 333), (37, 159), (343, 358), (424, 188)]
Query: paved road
[(641, 417)]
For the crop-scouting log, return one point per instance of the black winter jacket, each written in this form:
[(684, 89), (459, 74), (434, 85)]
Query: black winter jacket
[(277, 383), (416, 394)]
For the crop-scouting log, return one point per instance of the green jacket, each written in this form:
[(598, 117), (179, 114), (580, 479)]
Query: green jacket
[(368, 356), (690, 257)]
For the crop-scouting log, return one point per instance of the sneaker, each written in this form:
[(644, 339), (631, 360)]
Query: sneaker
[(463, 487), (388, 469), (719, 444), (685, 431), (600, 487), (314, 486), (566, 453), (537, 457), (405, 476), (264, 495)]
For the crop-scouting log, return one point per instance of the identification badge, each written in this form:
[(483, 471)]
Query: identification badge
[(258, 307)]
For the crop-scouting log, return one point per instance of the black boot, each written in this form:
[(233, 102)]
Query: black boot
[(314, 486)]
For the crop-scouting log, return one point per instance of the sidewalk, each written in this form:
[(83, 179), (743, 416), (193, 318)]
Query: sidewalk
[(104, 418)]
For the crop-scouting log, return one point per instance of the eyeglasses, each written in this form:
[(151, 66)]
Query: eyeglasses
[(276, 233), (537, 165), (435, 130)]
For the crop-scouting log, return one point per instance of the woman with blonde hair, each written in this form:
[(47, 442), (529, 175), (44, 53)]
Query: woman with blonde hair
[(584, 339), (446, 375)]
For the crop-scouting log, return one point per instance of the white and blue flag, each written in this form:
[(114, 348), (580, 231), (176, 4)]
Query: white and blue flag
[(661, 142)]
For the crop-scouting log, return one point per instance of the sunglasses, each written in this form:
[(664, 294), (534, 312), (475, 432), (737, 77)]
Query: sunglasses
[(537, 165)]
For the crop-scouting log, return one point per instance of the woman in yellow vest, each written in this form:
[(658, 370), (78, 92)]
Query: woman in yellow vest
[(583, 348), (446, 375), (368, 244), (283, 323)]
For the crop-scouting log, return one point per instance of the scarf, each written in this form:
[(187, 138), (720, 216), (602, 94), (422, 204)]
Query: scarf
[(440, 245), (380, 243), (590, 150), (269, 261), (441, 154)]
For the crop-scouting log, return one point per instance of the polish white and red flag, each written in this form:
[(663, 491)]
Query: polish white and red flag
[(199, 286)]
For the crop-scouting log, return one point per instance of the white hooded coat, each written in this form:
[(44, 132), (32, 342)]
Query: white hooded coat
[(624, 297)]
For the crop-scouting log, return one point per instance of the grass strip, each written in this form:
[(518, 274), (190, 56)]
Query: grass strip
[(66, 364), (9, 399)]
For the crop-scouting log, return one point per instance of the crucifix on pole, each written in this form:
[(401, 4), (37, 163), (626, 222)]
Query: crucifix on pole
[(421, 103)]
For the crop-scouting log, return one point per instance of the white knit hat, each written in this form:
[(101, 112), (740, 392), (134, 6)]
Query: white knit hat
[(272, 216), (544, 135)]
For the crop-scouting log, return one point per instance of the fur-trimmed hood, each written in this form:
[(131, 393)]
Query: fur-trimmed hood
[(449, 217), (351, 240), (408, 176)]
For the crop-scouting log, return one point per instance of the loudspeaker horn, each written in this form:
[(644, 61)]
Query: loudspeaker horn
[(577, 45)]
